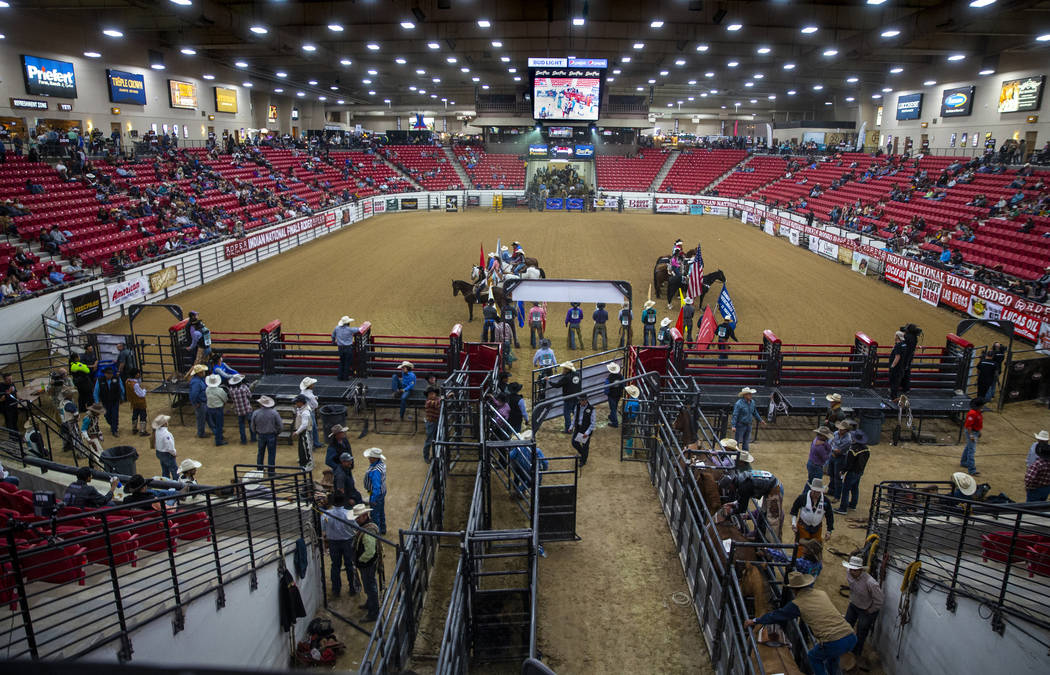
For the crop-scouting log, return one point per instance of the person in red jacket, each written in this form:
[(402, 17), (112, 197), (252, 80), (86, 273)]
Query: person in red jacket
[(972, 426)]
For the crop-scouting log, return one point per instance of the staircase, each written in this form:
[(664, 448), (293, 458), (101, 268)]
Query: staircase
[(664, 170), (396, 168), (460, 171), (727, 174)]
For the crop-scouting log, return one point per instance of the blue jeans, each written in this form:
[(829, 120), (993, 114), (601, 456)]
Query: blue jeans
[(371, 587), (395, 384), (378, 514), (488, 331), (614, 403), (824, 658), (201, 412), (535, 333), (1038, 494), (341, 551), (432, 428), (215, 422), (850, 491), (267, 445), (317, 441), (346, 357), (168, 467), (648, 335), (969, 456), (813, 471), (242, 422), (566, 411), (113, 417), (835, 467), (743, 436)]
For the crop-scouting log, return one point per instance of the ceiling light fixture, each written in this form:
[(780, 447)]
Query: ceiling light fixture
[(408, 25), (850, 99), (180, 3), (817, 87), (657, 23), (452, 59), (278, 90), (749, 84), (986, 71), (259, 30), (616, 71), (433, 45), (929, 83), (373, 46), (497, 44), (652, 81), (853, 79), (247, 84), (733, 64), (896, 70), (420, 71), (241, 64), (208, 76), (281, 73), (345, 62), (809, 30), (702, 48), (340, 101), (373, 71), (579, 21), (92, 55), (757, 76), (733, 27), (709, 74), (504, 59), (789, 66), (188, 51), (692, 83), (309, 47), (484, 23), (1045, 37), (876, 2), (336, 28), (475, 79), (679, 62), (639, 45), (366, 81), (334, 88), (763, 50), (400, 61), (876, 96), (957, 57), (831, 52), (791, 92), (113, 33), (157, 66), (892, 32), (625, 59), (464, 69), (981, 3), (886, 90), (772, 97), (664, 73)]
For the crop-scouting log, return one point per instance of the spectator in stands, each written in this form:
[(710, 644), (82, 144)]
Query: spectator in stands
[(80, 493), (136, 491), (109, 392)]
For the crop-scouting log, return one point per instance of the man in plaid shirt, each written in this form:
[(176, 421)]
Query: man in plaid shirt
[(1037, 477), (241, 396)]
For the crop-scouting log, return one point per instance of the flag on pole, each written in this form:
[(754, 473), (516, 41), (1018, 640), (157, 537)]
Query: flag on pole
[(696, 275), (680, 323), (521, 314), (706, 332), (481, 260), (725, 306)]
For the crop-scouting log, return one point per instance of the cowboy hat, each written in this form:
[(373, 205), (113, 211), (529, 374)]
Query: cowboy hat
[(337, 429), (514, 387), (843, 425), (823, 431), (817, 485), (649, 303), (854, 563), (237, 379), (632, 391), (266, 402), (834, 398), (28, 425), (359, 510), (503, 248), (344, 320), (406, 364), (213, 380), (189, 465), (613, 368), (199, 368), (725, 317), (729, 444), (346, 457), (568, 365), (745, 456), (688, 300), (665, 322), (799, 580), (161, 421), (1043, 435), (306, 383), (964, 482), (525, 435), (374, 453), (96, 408), (746, 390), (248, 480), (136, 482), (299, 399)]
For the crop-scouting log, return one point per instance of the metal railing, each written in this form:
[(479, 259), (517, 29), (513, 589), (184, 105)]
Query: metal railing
[(89, 577), (995, 554)]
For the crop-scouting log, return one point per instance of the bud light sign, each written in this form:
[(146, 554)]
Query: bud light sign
[(957, 102), (45, 77)]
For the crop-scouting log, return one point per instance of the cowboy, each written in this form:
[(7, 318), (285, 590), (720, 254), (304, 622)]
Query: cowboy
[(1041, 438), (338, 444), (503, 335), (839, 444), (865, 601), (70, 418), (687, 318), (544, 357), (301, 432), (613, 391), (570, 382), (136, 491), (834, 636), (648, 324), (521, 459), (897, 364), (90, 431), (600, 317), (537, 323), (343, 339), (510, 317), (573, 317), (835, 413), (724, 332), (743, 486), (402, 383), (164, 444), (375, 484), (137, 400), (819, 453), (624, 318), (306, 388), (198, 397), (81, 374), (516, 402), (583, 420), (431, 417), (853, 468), (266, 423), (744, 412), (1037, 475), (810, 510), (340, 537), (972, 426), (631, 408), (110, 392), (216, 398), (81, 493), (963, 485), (664, 337), (491, 316), (125, 361), (343, 478), (188, 471), (241, 396), (368, 556)]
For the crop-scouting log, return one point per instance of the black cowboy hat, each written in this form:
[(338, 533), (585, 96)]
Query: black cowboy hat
[(136, 482), (514, 387)]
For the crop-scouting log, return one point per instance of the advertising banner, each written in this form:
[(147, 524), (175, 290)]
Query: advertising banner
[(574, 204), (225, 100), (913, 285), (127, 291), (182, 94), (473, 200), (537, 150), (271, 114), (162, 279), (676, 204), (1021, 95), (379, 206), (254, 241), (555, 204), (715, 210), (638, 203), (366, 208), (769, 227), (605, 203), (451, 203), (47, 77), (86, 308), (126, 87), (793, 235), (584, 151), (957, 102), (391, 205), (931, 291), (697, 209), (410, 204), (860, 263), (845, 255), (909, 106)]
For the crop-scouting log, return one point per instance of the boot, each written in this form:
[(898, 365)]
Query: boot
[(142, 428)]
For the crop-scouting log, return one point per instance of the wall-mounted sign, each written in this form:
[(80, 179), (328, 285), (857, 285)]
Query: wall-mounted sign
[(182, 94), (225, 100), (584, 151), (163, 278), (28, 104), (548, 63), (1020, 95), (295, 114), (537, 150), (47, 77), (909, 106), (957, 102), (126, 87), (65, 107), (271, 114), (86, 308)]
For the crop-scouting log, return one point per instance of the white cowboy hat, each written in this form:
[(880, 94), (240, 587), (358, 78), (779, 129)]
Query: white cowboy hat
[(834, 398), (266, 402), (406, 364), (665, 322), (237, 379), (374, 453), (336, 429), (632, 391), (213, 380), (965, 482), (823, 431), (729, 444), (745, 456), (613, 368), (526, 435), (799, 580), (854, 563), (649, 303), (199, 368), (568, 365), (725, 317), (1043, 435), (161, 421), (344, 320), (492, 255), (746, 390), (688, 300), (817, 485), (189, 465), (503, 248), (359, 510), (248, 478), (306, 383)]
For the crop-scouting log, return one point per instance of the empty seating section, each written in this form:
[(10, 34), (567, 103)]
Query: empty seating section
[(636, 174), (1000, 242), (426, 164), (694, 170), (756, 173), (491, 171)]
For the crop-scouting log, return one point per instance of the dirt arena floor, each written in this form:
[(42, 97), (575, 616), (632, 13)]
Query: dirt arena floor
[(605, 601)]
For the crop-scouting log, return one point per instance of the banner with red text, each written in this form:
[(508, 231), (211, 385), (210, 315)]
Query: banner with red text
[(261, 239)]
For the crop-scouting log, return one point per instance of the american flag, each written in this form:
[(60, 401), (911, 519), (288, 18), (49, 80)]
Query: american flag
[(696, 275)]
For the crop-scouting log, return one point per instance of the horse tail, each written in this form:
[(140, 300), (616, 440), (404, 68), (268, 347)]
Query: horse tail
[(543, 275), (455, 289)]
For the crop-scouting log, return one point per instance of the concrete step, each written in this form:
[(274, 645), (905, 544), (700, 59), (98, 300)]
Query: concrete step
[(664, 170), (460, 171)]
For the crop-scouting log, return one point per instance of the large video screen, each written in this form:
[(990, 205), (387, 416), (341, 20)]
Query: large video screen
[(957, 102), (566, 98), (909, 106), (1021, 95), (182, 94), (47, 77)]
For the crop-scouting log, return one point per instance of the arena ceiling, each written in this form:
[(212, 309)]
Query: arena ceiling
[(768, 55)]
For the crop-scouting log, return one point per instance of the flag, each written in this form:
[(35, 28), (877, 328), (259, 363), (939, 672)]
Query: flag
[(706, 332), (725, 306), (481, 260), (521, 314), (696, 275), (680, 323)]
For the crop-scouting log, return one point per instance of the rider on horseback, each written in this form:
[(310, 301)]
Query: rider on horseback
[(516, 258)]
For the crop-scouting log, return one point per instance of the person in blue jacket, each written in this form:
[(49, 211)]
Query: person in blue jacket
[(573, 317), (198, 399), (745, 412), (402, 383)]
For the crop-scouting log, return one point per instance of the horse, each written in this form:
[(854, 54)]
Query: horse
[(530, 272), (467, 289), (660, 277)]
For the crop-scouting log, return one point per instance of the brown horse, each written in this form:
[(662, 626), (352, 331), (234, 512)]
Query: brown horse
[(467, 289), (662, 278)]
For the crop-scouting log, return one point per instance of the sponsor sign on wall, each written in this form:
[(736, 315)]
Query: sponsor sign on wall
[(909, 106), (225, 100), (860, 263), (379, 206), (537, 150), (126, 291), (1020, 95), (391, 205), (957, 102), (271, 114), (254, 241), (677, 204), (86, 308), (555, 203), (164, 278), (182, 94), (47, 77), (451, 203), (409, 204), (584, 150), (28, 104), (638, 203), (126, 87)]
